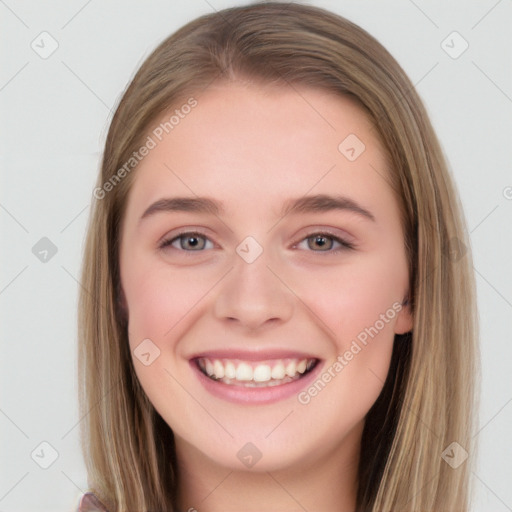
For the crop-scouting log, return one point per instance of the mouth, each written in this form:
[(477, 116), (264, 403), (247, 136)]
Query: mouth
[(255, 374)]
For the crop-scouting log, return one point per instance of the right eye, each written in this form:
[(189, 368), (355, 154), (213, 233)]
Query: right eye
[(189, 241)]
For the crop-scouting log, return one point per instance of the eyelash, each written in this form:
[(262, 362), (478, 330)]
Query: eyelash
[(343, 243)]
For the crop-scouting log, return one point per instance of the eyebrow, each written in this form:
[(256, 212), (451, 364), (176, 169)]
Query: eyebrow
[(307, 204), (184, 204), (324, 203)]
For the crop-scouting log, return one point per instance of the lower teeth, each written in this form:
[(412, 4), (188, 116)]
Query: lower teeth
[(253, 384)]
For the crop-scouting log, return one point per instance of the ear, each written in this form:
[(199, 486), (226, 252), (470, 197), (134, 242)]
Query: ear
[(121, 304), (405, 320)]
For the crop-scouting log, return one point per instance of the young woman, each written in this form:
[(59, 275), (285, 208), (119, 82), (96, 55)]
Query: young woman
[(277, 309)]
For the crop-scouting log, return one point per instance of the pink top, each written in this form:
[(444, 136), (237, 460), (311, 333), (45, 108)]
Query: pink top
[(90, 503)]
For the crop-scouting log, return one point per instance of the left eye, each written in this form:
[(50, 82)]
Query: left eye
[(188, 242), (323, 242)]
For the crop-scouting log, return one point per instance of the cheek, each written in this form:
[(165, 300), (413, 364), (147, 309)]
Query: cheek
[(161, 303), (352, 379), (353, 298), (359, 304), (158, 299)]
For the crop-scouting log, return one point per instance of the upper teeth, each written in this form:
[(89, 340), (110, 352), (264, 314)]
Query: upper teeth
[(234, 369)]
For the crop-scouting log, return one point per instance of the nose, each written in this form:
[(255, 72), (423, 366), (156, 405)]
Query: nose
[(253, 295)]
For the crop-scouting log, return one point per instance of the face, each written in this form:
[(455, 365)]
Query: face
[(263, 269)]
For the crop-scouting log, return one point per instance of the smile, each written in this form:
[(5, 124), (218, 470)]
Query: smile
[(236, 372)]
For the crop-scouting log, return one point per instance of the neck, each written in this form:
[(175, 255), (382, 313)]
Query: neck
[(327, 484)]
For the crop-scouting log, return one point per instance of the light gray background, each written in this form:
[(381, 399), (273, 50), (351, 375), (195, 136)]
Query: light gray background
[(55, 113)]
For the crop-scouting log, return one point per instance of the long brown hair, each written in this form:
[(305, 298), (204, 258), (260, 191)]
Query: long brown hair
[(427, 401)]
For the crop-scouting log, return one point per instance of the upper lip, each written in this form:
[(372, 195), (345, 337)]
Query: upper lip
[(253, 355)]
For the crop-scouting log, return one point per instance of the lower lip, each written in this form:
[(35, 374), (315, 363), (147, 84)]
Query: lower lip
[(260, 395)]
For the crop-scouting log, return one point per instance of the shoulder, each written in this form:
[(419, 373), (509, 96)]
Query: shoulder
[(89, 502)]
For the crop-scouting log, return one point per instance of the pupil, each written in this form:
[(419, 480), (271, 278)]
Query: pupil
[(191, 242), (321, 242)]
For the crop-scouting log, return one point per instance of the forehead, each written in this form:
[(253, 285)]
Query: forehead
[(248, 143)]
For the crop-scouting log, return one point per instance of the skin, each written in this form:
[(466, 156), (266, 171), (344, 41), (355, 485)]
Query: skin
[(252, 147)]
